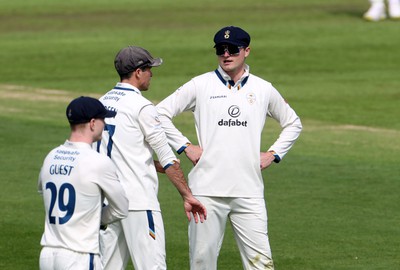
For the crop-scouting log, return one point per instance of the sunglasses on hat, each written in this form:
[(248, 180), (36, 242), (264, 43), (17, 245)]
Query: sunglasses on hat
[(229, 48)]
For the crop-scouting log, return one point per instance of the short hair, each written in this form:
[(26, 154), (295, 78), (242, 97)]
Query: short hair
[(127, 75)]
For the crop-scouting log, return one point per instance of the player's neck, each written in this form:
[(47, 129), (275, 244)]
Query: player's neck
[(81, 135), (236, 74), (132, 81)]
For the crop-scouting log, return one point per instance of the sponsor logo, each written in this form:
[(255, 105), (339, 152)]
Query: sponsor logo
[(215, 97), (232, 123), (234, 112)]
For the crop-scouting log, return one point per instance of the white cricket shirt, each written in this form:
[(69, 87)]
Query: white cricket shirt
[(229, 121), (130, 139), (74, 180)]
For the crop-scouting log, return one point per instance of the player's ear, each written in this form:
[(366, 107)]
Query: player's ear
[(92, 124), (246, 51), (137, 73)]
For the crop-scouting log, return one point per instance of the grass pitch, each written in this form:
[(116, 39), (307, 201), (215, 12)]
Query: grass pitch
[(332, 202)]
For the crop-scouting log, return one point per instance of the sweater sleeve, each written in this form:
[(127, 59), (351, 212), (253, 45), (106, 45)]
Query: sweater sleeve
[(291, 125), (183, 99), (117, 202), (154, 134)]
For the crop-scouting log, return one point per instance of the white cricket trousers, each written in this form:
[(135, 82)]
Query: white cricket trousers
[(248, 217), (140, 235), (64, 259)]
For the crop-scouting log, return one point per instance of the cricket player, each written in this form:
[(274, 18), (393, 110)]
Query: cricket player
[(230, 106), (74, 180), (130, 140)]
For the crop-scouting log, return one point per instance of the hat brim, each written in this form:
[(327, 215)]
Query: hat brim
[(231, 43), (107, 114), (156, 62), (110, 114)]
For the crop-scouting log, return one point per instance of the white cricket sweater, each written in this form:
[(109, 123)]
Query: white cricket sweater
[(73, 180), (136, 134), (229, 121)]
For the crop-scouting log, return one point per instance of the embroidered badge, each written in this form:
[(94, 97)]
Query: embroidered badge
[(227, 34), (251, 98)]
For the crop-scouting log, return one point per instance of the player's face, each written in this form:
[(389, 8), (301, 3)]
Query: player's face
[(231, 59), (145, 78)]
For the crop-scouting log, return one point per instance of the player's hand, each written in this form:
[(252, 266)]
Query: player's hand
[(193, 152), (159, 168), (266, 159), (196, 209)]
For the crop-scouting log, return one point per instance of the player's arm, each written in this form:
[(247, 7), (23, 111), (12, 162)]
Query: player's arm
[(191, 205), (42, 172), (39, 186), (159, 167), (155, 136), (117, 201), (181, 143), (183, 99), (289, 121)]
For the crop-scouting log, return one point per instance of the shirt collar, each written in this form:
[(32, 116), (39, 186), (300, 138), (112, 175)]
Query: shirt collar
[(77, 145), (227, 80), (127, 87)]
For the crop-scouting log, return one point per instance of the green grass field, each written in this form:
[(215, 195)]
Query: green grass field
[(333, 203)]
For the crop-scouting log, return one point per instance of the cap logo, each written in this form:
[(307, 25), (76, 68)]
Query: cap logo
[(70, 113), (227, 34)]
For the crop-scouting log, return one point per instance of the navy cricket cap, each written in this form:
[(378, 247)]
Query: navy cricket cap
[(232, 35), (83, 109), (132, 57)]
